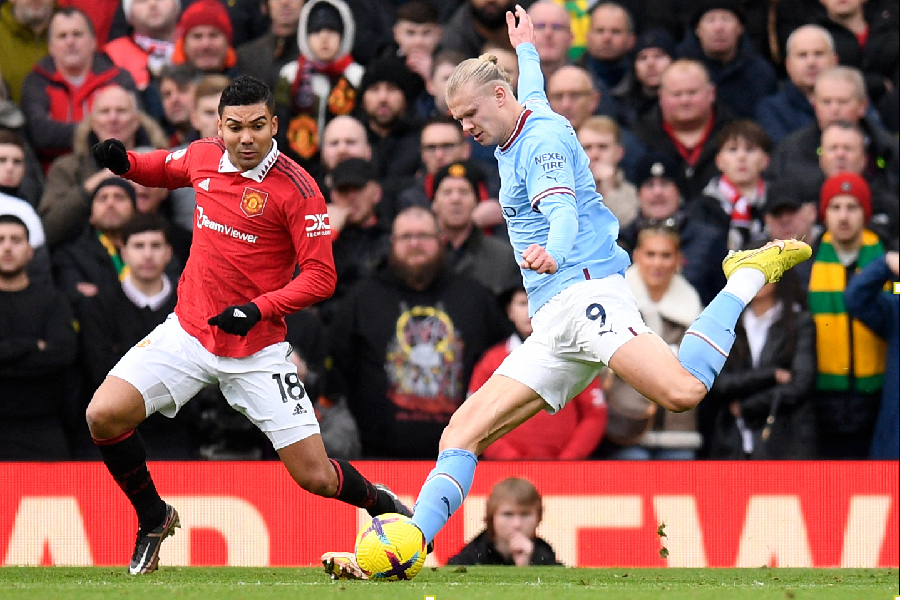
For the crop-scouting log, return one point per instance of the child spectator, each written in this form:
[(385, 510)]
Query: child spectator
[(435, 101), (324, 81), (734, 200), (416, 36), (513, 513)]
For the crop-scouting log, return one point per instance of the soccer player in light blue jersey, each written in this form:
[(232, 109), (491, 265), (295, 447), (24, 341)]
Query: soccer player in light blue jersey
[(583, 313)]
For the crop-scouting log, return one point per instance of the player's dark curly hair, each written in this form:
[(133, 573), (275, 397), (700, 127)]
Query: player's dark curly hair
[(246, 90)]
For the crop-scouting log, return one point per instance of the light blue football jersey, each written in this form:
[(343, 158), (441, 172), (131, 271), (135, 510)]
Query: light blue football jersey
[(547, 186)]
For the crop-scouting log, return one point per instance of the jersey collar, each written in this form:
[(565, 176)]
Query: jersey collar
[(520, 124), (257, 173)]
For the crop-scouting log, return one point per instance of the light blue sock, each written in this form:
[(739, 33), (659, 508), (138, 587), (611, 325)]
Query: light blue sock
[(444, 490), (706, 344)]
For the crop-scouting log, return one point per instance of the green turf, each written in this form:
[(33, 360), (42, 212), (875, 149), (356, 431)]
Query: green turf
[(472, 583)]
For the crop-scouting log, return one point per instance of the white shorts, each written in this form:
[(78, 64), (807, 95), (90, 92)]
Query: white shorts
[(575, 334), (170, 366)]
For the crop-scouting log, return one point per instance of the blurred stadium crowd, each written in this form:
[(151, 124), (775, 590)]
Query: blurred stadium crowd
[(710, 126)]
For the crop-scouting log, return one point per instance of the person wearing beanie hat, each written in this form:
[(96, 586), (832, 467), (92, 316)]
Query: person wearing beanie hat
[(850, 356), (463, 169), (654, 50), (324, 15), (850, 185), (660, 186), (118, 182), (704, 6), (322, 83), (91, 263), (388, 92), (206, 38), (657, 165), (458, 189), (716, 37), (154, 31)]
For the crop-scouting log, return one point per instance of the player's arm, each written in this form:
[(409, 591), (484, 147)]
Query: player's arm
[(550, 182), (521, 36), (159, 168), (317, 277)]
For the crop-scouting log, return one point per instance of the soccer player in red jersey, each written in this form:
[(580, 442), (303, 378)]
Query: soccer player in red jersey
[(258, 215)]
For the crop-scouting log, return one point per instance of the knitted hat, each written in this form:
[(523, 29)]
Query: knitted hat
[(463, 168), (324, 15), (126, 8), (846, 184), (655, 38), (704, 6), (393, 69), (116, 182), (655, 164), (206, 12)]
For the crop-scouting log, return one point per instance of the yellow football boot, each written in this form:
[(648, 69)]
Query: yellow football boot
[(773, 259)]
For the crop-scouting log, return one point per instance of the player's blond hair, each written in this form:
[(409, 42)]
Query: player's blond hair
[(478, 71)]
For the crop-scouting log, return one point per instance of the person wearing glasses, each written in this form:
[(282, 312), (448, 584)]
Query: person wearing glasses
[(442, 144), (403, 343), (552, 35)]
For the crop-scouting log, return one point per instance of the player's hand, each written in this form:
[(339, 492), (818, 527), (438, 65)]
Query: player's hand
[(110, 154), (521, 547), (521, 32), (237, 320), (893, 262), (536, 258)]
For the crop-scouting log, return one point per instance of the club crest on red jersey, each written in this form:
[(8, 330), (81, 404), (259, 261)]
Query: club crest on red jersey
[(254, 202)]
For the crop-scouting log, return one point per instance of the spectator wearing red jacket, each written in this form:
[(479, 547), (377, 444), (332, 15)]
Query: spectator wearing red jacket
[(58, 92), (571, 434)]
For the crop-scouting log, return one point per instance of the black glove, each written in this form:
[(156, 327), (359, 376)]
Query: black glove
[(237, 320), (110, 154)]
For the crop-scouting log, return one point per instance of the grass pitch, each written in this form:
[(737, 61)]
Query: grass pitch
[(449, 583)]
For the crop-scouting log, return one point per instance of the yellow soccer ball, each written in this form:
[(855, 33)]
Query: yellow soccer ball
[(390, 547)]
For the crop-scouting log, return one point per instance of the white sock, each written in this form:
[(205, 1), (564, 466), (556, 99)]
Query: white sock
[(745, 283)]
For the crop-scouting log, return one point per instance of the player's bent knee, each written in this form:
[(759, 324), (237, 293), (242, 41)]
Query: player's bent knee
[(321, 482), (686, 394), (116, 407), (458, 434)]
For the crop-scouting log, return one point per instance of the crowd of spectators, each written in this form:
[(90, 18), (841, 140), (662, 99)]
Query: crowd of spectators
[(710, 126)]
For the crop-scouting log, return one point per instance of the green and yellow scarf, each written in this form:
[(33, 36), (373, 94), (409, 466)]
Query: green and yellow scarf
[(121, 268), (833, 325)]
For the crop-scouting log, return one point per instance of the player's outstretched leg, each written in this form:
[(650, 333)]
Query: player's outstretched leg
[(113, 414), (708, 341), (499, 406)]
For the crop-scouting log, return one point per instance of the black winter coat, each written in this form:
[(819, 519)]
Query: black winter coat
[(649, 130), (793, 432), (481, 551)]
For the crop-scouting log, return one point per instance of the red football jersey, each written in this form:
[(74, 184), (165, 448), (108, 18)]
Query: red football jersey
[(250, 230)]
